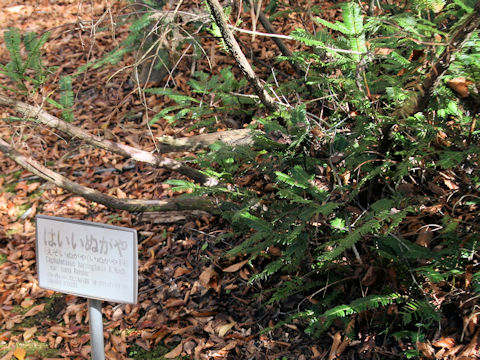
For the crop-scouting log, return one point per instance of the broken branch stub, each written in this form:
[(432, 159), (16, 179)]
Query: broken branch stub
[(239, 137)]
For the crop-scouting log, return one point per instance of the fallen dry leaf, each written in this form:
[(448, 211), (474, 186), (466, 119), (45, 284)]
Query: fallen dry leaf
[(337, 339), (117, 314), (175, 352), (460, 86), (426, 349), (445, 342), (450, 184), (315, 352), (189, 347), (174, 303), (383, 51), (57, 341), (223, 329), (453, 350), (206, 276), (118, 343), (440, 354), (27, 303), (121, 194), (235, 267), (35, 310), (85, 351), (15, 9), (28, 334), (231, 345), (113, 355), (424, 237), (472, 347), (19, 353), (179, 271), (7, 356), (275, 251)]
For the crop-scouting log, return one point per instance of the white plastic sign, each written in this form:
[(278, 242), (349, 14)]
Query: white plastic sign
[(87, 259)]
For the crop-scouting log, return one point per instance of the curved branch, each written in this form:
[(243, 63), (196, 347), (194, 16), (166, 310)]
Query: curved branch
[(49, 120), (134, 205), (232, 45)]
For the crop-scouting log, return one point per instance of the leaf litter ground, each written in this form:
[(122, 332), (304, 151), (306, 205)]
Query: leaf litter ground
[(193, 303)]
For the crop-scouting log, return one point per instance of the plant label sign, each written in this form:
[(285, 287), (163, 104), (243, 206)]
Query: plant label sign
[(87, 259)]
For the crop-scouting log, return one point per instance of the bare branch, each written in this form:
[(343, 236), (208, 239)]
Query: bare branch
[(239, 137), (171, 217), (134, 205), (47, 119), (461, 35), (277, 39), (234, 48)]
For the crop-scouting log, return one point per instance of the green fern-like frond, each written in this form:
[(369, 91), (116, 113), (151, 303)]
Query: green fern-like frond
[(181, 185), (351, 239), (322, 322), (322, 41), (353, 20), (419, 311), (13, 41), (337, 26), (33, 44), (245, 218), (464, 5), (25, 54), (299, 178), (435, 5), (352, 27), (181, 99), (67, 98), (476, 282)]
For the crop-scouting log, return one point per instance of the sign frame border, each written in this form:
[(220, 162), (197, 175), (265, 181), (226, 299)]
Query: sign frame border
[(91, 224)]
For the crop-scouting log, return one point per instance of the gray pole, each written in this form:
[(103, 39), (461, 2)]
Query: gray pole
[(96, 329)]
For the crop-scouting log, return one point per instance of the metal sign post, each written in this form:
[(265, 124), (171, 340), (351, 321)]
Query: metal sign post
[(92, 260), (96, 329)]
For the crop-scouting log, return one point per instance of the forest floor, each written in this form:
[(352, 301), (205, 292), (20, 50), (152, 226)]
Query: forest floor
[(193, 302)]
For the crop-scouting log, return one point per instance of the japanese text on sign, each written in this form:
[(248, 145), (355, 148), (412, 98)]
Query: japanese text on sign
[(87, 259)]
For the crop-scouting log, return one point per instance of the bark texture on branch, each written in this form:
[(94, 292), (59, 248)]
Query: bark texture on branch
[(239, 137), (134, 205), (127, 151), (461, 35), (232, 45)]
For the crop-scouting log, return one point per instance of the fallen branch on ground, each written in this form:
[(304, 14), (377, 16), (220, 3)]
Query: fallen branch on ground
[(43, 117), (171, 217), (135, 205)]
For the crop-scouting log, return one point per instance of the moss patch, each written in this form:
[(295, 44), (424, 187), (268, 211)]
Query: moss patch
[(34, 348), (136, 352)]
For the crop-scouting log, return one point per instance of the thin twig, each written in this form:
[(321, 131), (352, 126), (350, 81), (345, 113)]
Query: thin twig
[(251, 32), (242, 62)]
